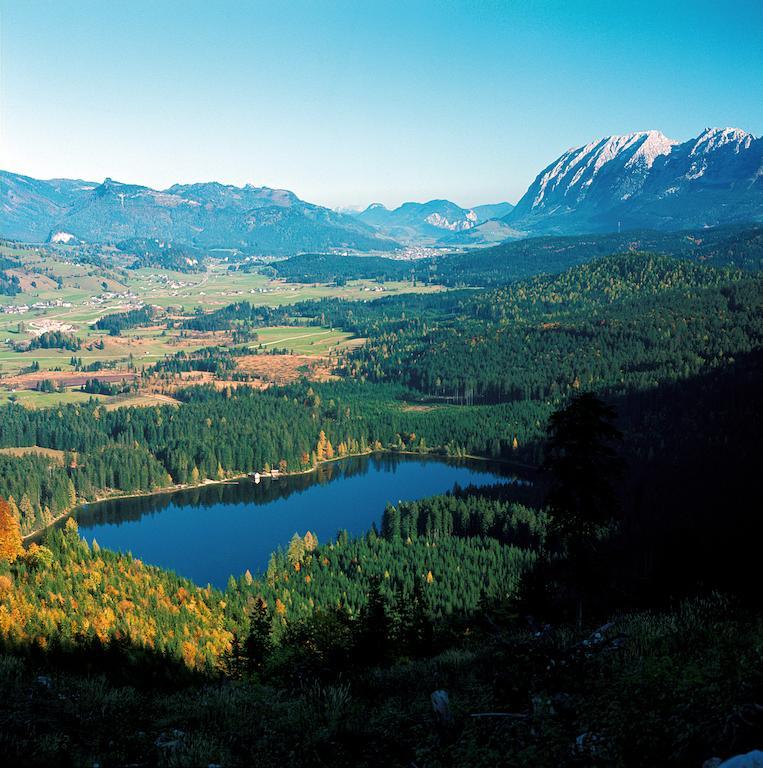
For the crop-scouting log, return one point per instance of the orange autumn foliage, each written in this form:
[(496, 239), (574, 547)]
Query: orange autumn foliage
[(75, 592), (10, 533)]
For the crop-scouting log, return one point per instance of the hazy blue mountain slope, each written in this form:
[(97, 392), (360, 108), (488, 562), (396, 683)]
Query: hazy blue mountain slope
[(432, 223), (211, 215)]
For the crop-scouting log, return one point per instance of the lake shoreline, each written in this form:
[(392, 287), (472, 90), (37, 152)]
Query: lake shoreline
[(34, 535)]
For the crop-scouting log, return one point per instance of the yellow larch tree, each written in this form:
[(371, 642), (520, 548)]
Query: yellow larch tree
[(10, 533)]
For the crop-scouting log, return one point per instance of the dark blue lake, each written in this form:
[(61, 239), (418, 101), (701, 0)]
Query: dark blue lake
[(211, 532)]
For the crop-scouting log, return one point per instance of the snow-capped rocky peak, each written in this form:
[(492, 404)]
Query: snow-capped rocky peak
[(578, 167), (646, 179), (611, 148), (654, 144), (714, 138)]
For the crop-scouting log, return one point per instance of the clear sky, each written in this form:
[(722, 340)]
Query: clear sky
[(352, 102)]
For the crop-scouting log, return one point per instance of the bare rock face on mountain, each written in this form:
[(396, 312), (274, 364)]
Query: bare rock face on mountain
[(431, 223), (250, 219), (646, 180), (638, 181)]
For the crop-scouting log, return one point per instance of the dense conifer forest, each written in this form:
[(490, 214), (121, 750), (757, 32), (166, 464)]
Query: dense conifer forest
[(121, 321), (9, 284), (739, 245)]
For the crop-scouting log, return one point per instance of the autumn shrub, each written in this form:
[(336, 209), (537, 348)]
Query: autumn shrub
[(38, 557), (6, 584)]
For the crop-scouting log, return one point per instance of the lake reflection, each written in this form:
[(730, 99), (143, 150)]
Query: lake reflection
[(210, 532)]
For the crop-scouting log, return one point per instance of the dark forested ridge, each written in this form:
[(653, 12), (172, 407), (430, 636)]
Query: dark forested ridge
[(325, 268), (55, 340), (629, 321), (735, 245), (739, 245), (149, 252), (641, 372), (121, 321), (241, 314)]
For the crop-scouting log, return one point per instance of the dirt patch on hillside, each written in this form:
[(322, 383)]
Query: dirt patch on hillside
[(140, 400), (50, 453), (26, 278), (353, 343), (283, 369), (38, 327)]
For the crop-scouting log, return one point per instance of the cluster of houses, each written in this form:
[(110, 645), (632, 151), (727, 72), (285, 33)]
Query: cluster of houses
[(415, 252), (166, 282), (21, 309), (106, 296)]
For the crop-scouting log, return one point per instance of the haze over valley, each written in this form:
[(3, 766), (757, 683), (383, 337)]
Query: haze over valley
[(637, 181)]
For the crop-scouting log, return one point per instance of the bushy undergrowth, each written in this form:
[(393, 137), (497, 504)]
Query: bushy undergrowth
[(669, 689)]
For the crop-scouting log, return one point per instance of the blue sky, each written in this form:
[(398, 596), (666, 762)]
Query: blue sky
[(352, 102)]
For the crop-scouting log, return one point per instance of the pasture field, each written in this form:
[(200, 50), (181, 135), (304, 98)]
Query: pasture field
[(51, 453), (62, 291), (138, 400), (303, 340), (218, 287), (30, 398)]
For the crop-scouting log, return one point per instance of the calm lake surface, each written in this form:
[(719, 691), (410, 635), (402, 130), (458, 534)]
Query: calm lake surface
[(209, 533)]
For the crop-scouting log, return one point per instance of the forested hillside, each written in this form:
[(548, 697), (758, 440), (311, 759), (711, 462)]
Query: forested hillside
[(483, 369), (739, 245), (9, 283), (644, 371), (623, 322), (218, 434)]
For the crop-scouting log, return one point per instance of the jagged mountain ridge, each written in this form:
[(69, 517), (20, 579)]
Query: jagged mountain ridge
[(641, 180), (646, 180), (207, 215)]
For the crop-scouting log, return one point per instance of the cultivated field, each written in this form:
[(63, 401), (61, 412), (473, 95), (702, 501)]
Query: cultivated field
[(62, 292), (304, 341)]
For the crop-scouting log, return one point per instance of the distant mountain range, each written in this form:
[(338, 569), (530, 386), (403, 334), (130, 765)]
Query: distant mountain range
[(250, 219), (645, 180), (642, 180), (432, 223), (638, 181)]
